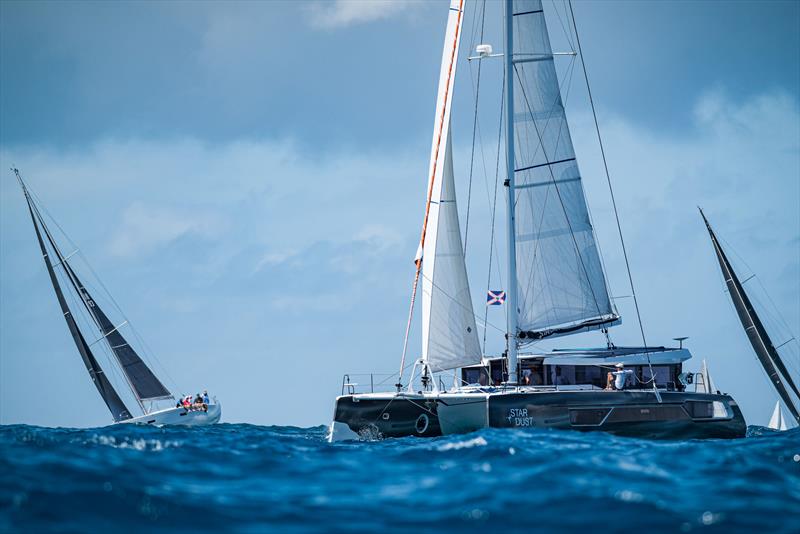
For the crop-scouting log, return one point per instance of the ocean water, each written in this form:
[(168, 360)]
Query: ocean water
[(245, 478)]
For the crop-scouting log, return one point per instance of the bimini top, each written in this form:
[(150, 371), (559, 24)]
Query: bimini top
[(623, 355)]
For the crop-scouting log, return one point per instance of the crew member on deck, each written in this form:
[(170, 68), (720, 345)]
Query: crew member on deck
[(621, 376)]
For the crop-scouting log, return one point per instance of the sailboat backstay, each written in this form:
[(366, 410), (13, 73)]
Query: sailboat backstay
[(145, 386)]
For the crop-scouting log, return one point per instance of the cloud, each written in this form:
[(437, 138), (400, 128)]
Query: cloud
[(146, 228), (342, 13)]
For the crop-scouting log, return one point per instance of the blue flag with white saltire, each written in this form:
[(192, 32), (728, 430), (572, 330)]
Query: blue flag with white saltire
[(495, 297)]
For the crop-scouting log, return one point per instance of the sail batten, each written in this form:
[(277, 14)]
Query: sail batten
[(560, 279)]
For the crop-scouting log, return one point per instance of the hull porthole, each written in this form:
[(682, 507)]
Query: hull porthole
[(422, 424)]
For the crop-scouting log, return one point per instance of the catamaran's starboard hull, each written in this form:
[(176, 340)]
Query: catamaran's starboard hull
[(376, 416), (179, 416), (624, 413)]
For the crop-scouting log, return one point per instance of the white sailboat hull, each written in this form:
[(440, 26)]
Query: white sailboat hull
[(179, 416)]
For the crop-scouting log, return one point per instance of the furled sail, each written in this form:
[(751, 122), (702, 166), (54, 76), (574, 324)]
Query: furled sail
[(145, 384), (115, 405), (561, 287), (449, 336), (759, 338)]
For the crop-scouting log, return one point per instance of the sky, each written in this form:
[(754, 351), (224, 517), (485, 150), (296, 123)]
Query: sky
[(248, 181)]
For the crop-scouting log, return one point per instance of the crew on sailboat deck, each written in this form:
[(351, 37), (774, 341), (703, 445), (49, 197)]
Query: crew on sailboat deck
[(620, 378), (199, 403)]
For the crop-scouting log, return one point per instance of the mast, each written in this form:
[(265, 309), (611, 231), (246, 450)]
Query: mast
[(762, 345), (511, 293), (107, 392)]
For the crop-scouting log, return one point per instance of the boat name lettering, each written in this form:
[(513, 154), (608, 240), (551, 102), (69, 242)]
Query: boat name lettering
[(519, 417)]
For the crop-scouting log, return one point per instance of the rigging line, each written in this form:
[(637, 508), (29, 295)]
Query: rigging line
[(461, 305), (84, 310), (774, 313), (430, 191), (149, 355), (494, 208), (611, 192), (560, 199), (474, 131), (79, 290), (563, 28)]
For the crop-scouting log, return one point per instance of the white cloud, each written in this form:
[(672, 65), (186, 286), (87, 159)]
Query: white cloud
[(341, 13), (146, 228)]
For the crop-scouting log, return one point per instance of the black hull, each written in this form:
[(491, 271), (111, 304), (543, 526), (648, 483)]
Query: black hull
[(624, 413), (389, 416)]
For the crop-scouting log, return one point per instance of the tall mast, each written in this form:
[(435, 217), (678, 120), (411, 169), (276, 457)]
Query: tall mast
[(511, 295)]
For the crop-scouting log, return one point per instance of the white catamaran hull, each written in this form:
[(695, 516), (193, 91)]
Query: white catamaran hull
[(179, 416)]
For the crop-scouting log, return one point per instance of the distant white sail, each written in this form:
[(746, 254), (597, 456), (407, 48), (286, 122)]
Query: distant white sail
[(708, 384), (449, 335), (777, 422), (561, 284)]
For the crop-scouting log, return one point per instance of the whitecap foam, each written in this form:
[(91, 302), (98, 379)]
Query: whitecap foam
[(467, 444)]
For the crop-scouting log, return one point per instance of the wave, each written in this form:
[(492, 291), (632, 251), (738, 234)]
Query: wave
[(245, 478)]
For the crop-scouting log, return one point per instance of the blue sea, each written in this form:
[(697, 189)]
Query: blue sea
[(245, 478)]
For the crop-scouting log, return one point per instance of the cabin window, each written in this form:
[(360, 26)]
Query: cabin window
[(531, 373), (474, 375), (596, 376), (663, 374), (497, 370), (562, 375)]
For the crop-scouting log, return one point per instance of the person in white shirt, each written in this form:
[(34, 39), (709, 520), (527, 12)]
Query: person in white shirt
[(621, 376)]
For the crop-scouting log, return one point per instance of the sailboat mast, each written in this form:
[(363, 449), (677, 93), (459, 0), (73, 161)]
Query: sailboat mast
[(511, 293)]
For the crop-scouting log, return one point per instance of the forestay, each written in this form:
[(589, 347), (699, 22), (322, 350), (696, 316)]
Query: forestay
[(449, 336), (561, 284)]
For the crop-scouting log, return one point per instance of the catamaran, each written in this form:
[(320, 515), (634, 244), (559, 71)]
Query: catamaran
[(556, 286), (145, 387), (768, 356)]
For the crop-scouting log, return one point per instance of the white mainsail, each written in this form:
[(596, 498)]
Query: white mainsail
[(449, 335), (561, 287)]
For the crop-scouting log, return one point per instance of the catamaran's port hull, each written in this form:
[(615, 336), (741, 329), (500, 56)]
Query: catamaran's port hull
[(179, 416), (389, 415), (624, 413)]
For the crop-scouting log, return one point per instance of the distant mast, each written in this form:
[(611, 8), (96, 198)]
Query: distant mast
[(762, 345)]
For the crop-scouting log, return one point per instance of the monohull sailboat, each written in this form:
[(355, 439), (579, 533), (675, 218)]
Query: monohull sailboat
[(144, 385), (556, 287), (767, 353)]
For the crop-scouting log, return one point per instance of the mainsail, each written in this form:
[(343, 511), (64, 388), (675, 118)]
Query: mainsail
[(561, 287), (115, 405), (449, 336), (754, 328)]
